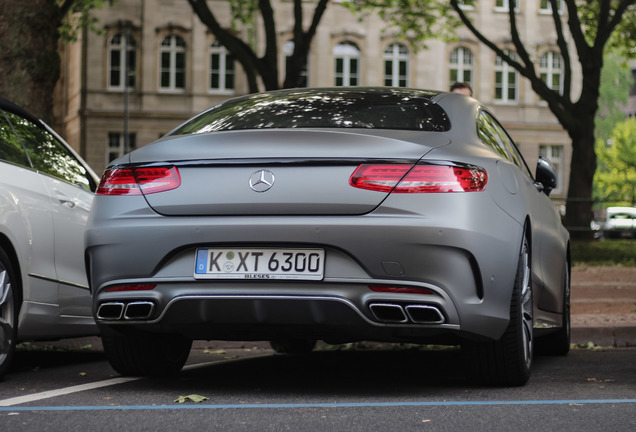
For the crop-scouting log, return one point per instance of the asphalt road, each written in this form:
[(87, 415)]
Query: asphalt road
[(356, 390)]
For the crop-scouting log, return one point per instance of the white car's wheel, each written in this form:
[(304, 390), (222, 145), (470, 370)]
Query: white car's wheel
[(8, 312)]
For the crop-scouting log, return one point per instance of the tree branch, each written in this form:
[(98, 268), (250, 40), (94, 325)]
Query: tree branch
[(65, 8), (239, 49), (574, 24), (516, 41), (318, 13), (498, 51), (270, 72), (563, 48), (559, 104)]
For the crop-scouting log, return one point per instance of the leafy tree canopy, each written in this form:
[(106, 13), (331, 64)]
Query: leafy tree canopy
[(616, 81), (75, 14), (615, 179), (416, 20)]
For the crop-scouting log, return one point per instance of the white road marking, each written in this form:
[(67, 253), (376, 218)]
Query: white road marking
[(64, 391), (91, 386)]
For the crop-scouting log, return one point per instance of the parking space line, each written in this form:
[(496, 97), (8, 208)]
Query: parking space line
[(63, 391), (91, 386), (321, 405)]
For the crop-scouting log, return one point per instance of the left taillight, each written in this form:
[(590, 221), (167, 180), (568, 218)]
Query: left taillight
[(420, 178), (139, 180)]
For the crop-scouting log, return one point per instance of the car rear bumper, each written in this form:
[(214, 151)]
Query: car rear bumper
[(467, 263)]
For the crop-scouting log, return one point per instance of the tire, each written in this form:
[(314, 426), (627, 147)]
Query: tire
[(507, 362), (558, 343), (8, 312), (145, 354), (293, 346)]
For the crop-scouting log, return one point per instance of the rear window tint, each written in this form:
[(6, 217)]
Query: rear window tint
[(379, 109)]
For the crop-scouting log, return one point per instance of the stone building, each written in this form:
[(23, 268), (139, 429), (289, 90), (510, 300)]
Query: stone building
[(177, 69)]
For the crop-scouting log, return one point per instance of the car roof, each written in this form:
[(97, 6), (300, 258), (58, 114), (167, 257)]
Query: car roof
[(7, 105)]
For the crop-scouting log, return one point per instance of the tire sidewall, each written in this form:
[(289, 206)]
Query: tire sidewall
[(6, 358)]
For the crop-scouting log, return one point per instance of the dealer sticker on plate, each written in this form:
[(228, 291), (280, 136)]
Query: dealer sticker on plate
[(242, 263)]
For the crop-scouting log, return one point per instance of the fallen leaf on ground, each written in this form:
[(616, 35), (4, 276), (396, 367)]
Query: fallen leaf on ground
[(192, 398)]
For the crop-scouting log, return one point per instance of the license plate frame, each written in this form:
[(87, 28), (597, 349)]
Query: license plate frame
[(259, 263)]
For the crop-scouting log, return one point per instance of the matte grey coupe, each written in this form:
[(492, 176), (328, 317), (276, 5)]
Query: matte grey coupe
[(337, 214)]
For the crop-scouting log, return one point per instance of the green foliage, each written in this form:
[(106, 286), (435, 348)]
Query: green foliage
[(605, 252), (623, 39), (78, 16), (616, 81), (615, 178), (415, 20), (243, 13)]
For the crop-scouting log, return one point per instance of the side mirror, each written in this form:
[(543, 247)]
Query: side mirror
[(546, 175)]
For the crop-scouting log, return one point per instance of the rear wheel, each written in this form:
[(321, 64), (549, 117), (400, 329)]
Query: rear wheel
[(144, 353), (508, 360), (8, 312), (293, 346)]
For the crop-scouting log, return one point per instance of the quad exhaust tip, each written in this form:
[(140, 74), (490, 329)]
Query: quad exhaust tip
[(135, 310), (390, 313), (111, 311), (416, 314), (139, 310)]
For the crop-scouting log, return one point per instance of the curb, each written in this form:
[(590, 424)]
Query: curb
[(617, 337)]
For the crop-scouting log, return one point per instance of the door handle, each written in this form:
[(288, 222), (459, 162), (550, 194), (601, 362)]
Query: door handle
[(65, 200)]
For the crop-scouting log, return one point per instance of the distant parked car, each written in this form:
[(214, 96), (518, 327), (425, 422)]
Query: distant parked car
[(619, 222), (46, 191), (339, 214)]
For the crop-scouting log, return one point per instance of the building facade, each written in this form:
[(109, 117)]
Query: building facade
[(155, 65)]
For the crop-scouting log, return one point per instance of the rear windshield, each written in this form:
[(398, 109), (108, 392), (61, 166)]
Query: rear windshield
[(379, 109)]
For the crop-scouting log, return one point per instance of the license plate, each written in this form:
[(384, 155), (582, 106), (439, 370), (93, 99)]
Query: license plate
[(241, 263)]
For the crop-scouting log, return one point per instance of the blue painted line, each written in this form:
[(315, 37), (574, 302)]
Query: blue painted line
[(315, 405)]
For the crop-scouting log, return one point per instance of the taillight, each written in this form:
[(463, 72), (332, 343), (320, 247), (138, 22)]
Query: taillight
[(420, 178), (139, 180)]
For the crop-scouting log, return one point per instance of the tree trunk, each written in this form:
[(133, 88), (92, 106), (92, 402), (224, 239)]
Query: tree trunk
[(29, 60), (579, 212)]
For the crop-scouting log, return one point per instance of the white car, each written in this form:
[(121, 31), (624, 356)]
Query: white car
[(619, 222), (46, 191)]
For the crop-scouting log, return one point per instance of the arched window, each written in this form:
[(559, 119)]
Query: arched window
[(461, 66), (506, 80), (172, 63), (347, 58), (551, 70), (222, 70), (122, 61), (396, 66)]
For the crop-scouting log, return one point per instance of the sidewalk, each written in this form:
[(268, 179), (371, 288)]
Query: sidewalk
[(604, 306)]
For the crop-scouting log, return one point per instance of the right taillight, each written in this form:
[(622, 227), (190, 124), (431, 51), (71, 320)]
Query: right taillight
[(420, 178), (138, 180)]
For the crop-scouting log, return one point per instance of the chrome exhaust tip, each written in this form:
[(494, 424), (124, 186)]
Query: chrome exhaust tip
[(424, 314), (139, 310), (390, 313), (110, 311)]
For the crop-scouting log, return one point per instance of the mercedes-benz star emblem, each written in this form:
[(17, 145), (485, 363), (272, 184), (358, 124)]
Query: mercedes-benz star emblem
[(262, 180)]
